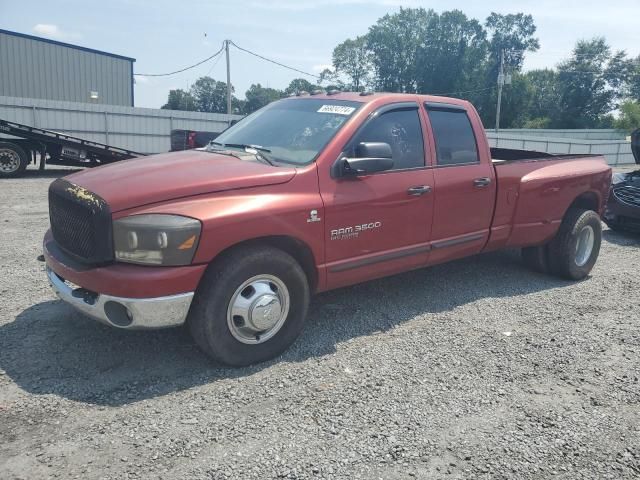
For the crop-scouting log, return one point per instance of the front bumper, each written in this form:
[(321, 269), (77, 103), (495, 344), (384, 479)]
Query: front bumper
[(121, 312), (622, 215)]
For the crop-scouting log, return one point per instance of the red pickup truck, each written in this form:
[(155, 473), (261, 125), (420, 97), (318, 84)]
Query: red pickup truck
[(308, 194)]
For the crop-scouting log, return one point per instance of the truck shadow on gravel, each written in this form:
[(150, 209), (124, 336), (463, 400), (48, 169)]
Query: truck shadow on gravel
[(49, 172), (623, 239), (51, 349)]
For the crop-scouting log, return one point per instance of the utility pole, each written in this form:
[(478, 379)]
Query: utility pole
[(500, 85), (226, 47)]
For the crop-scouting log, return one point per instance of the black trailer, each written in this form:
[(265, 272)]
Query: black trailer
[(30, 144)]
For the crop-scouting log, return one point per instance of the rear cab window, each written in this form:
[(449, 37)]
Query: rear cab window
[(453, 133)]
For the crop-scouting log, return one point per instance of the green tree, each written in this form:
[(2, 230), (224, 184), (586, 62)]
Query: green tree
[(353, 59), (544, 98), (512, 34), (180, 100), (590, 82), (395, 42), (258, 96), (634, 80), (238, 106), (452, 56), (516, 102), (629, 118), (300, 85), (210, 95), (330, 80)]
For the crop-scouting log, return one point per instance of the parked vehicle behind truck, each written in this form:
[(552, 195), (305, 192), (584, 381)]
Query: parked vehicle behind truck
[(309, 194), (188, 139), (623, 208)]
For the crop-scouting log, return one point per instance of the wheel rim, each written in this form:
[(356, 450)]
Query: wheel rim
[(9, 161), (584, 245), (258, 309)]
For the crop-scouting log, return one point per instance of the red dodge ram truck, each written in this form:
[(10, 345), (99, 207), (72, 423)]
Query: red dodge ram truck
[(308, 194)]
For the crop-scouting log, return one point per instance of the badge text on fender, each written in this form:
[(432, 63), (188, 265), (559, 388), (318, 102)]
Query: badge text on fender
[(346, 233)]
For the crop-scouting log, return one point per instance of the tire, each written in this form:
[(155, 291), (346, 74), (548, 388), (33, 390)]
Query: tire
[(13, 160), (536, 258), (567, 259), (230, 339)]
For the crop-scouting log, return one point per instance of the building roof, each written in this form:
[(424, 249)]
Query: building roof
[(69, 45)]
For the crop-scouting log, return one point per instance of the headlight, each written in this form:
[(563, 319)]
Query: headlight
[(618, 178), (156, 239)]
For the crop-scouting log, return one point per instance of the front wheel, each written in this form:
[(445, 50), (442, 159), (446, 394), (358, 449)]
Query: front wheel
[(574, 250), (250, 306)]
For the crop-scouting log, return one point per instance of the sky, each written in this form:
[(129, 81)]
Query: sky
[(166, 35)]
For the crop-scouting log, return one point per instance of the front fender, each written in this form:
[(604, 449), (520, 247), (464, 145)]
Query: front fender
[(232, 217)]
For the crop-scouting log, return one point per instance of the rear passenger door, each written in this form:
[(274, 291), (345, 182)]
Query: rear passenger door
[(464, 190)]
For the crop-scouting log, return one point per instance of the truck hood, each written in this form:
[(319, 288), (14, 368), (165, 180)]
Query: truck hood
[(157, 178)]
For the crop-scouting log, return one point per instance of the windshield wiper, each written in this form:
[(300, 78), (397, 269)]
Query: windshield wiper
[(259, 148), (248, 146)]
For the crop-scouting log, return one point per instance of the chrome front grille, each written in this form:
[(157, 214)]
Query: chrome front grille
[(628, 195)]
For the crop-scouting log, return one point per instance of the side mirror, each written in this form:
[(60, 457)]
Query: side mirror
[(370, 157), (373, 150)]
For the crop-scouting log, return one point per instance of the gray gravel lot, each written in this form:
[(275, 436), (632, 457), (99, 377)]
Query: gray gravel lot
[(475, 369)]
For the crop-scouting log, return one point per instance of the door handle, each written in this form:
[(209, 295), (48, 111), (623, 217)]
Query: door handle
[(419, 190), (482, 182)]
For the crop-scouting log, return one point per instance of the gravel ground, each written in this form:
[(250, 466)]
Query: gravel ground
[(475, 369)]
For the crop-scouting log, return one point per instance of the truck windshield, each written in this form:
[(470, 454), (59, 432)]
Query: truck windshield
[(292, 130)]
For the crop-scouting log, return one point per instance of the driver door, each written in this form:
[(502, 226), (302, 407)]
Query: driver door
[(379, 224)]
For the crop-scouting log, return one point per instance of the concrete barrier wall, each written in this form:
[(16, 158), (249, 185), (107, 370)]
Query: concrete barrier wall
[(144, 130)]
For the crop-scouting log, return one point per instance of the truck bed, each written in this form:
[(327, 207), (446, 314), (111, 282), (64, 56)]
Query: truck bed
[(501, 155), (535, 190)]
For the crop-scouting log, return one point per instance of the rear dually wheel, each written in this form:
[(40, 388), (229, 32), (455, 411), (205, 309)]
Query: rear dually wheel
[(575, 248), (573, 252)]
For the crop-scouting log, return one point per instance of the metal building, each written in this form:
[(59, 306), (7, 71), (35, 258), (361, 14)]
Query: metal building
[(34, 67)]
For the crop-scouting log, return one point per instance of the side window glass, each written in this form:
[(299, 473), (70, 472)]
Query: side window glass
[(454, 137), (402, 131)]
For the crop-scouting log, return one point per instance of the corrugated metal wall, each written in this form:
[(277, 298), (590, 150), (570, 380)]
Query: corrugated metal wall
[(575, 133), (144, 130), (147, 130), (39, 68), (616, 152)]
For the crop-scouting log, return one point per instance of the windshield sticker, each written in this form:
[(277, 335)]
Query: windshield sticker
[(337, 109)]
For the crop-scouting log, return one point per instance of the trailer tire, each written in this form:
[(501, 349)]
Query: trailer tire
[(250, 306), (574, 250), (13, 160), (536, 258)]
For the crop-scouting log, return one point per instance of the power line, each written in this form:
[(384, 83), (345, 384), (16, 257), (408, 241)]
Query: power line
[(213, 65), (273, 61), (182, 69), (447, 94)]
